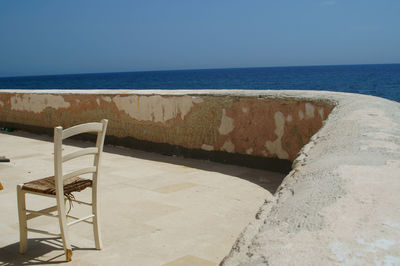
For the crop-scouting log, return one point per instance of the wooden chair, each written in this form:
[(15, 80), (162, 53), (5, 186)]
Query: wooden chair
[(60, 186)]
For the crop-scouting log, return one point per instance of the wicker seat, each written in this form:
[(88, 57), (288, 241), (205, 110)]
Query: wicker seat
[(61, 186), (47, 185)]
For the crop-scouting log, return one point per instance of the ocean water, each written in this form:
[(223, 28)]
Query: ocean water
[(378, 80)]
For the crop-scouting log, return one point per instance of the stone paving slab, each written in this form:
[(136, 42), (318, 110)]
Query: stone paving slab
[(156, 210)]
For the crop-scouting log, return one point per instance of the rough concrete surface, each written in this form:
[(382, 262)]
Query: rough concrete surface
[(340, 205)]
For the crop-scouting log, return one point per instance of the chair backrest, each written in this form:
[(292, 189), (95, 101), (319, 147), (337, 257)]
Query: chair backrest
[(60, 134)]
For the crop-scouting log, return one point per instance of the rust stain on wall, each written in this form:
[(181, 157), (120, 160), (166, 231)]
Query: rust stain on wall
[(235, 124), (272, 127)]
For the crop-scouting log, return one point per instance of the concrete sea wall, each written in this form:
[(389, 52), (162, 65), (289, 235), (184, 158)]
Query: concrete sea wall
[(340, 205), (257, 125)]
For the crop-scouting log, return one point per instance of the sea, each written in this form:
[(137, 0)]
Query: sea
[(381, 80)]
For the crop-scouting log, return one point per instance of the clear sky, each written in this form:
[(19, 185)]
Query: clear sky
[(84, 36)]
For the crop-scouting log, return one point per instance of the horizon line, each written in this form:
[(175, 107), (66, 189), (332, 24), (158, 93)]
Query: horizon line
[(188, 69)]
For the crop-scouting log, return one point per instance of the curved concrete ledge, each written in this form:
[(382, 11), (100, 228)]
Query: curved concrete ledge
[(340, 203)]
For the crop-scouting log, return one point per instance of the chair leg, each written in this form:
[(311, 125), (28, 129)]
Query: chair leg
[(96, 222), (23, 233), (63, 227)]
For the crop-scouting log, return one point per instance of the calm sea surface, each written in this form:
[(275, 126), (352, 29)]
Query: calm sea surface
[(378, 80)]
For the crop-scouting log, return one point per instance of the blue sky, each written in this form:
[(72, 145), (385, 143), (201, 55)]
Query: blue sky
[(55, 37)]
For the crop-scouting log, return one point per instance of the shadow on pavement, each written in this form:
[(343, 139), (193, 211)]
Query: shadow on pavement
[(37, 248)]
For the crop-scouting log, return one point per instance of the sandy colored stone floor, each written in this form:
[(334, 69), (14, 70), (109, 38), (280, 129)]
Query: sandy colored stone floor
[(156, 210)]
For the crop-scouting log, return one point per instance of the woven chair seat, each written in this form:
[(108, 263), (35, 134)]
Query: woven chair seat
[(48, 186)]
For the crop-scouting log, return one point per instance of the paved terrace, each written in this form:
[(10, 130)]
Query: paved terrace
[(156, 210)]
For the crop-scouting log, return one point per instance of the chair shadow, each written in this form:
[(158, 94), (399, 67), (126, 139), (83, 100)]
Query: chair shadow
[(37, 248), (269, 180)]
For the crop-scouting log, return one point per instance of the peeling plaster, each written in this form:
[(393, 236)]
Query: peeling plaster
[(107, 99), (228, 146), (309, 111), (154, 108), (37, 102), (275, 147), (226, 126), (207, 147), (178, 120), (321, 113), (197, 99)]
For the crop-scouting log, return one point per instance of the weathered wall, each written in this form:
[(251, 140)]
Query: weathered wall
[(272, 127)]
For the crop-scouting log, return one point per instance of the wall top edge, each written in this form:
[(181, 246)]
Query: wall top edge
[(326, 96)]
